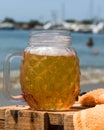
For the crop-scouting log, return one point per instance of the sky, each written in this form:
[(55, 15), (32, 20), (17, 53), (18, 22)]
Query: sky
[(47, 10)]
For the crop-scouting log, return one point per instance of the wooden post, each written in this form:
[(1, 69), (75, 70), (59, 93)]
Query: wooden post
[(2, 119), (23, 118), (11, 116), (68, 121), (31, 120)]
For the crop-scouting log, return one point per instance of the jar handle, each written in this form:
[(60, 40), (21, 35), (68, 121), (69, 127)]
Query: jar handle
[(6, 77)]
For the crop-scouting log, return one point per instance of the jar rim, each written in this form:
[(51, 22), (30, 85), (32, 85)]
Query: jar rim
[(49, 37)]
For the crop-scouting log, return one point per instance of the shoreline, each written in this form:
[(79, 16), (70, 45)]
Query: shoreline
[(89, 76), (91, 86), (86, 85), (83, 88)]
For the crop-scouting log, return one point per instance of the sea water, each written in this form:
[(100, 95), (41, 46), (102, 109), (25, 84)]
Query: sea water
[(17, 40), (92, 65)]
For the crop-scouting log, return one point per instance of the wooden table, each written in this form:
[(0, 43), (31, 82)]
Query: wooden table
[(23, 118)]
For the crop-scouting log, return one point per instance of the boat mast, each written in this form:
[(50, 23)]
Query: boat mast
[(91, 9), (63, 11)]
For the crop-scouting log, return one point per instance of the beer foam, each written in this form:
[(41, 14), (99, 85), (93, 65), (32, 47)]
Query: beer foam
[(50, 51)]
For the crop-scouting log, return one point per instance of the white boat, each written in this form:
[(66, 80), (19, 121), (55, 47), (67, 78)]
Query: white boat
[(6, 25), (98, 28), (58, 24)]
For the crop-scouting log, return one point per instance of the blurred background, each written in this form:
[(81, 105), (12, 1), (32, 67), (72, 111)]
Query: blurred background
[(83, 19)]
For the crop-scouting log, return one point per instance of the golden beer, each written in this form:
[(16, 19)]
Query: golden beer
[(50, 82)]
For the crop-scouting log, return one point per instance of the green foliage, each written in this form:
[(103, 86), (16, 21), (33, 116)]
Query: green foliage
[(10, 20), (33, 23), (86, 21)]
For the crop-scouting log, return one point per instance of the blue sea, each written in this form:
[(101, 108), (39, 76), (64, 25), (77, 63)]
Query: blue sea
[(92, 66), (17, 40)]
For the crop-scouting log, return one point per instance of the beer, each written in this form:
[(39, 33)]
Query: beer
[(50, 82)]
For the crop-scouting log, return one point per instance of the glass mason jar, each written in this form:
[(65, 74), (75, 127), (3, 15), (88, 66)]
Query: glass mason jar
[(49, 71)]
